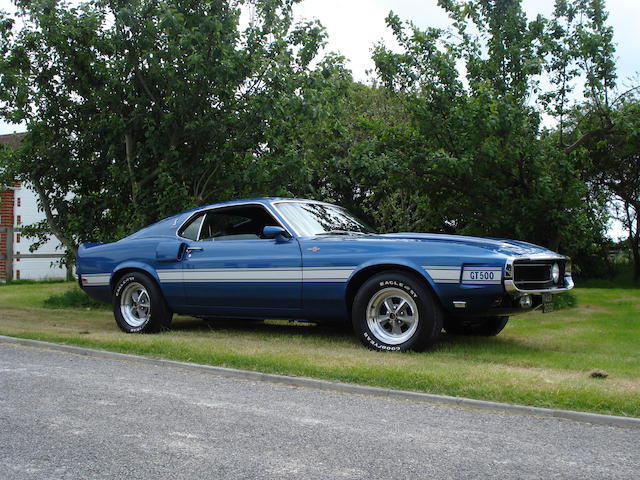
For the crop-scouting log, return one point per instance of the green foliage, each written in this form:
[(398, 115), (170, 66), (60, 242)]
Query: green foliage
[(612, 159), (477, 160), (564, 300), (31, 282), (139, 109)]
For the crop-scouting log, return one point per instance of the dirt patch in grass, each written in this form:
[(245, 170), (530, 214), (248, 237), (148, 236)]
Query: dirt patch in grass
[(588, 309)]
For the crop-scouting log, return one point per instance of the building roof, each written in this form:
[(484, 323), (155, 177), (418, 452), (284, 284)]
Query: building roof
[(12, 140)]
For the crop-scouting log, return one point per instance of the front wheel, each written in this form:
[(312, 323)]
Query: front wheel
[(394, 311), (483, 327), (138, 305)]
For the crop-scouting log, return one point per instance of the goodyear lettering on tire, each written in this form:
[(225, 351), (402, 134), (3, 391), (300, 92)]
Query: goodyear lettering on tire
[(378, 346)]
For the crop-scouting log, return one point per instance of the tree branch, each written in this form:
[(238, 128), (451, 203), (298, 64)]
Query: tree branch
[(147, 90), (150, 178), (583, 139)]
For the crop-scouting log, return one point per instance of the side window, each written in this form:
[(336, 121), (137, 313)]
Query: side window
[(191, 230), (244, 222), (224, 226)]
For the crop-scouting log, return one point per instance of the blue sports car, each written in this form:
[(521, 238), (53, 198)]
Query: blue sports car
[(307, 260)]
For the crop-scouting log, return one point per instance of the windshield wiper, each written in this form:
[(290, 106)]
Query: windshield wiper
[(341, 232)]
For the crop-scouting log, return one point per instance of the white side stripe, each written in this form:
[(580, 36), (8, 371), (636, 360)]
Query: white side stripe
[(443, 274), (326, 274), (251, 275), (95, 279)]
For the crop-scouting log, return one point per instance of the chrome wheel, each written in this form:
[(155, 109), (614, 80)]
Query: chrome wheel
[(135, 305), (392, 316)]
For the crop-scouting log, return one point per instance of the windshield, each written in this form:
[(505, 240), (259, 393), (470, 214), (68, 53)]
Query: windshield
[(311, 219)]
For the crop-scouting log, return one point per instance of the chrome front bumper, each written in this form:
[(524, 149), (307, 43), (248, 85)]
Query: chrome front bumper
[(511, 288)]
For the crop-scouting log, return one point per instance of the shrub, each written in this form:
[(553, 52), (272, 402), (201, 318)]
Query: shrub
[(74, 298), (564, 300), (32, 282)]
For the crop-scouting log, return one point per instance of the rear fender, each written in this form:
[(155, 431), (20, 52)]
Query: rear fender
[(132, 265)]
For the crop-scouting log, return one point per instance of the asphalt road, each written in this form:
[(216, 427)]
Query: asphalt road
[(65, 416)]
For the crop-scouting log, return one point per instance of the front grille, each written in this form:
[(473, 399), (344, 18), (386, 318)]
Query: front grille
[(536, 274)]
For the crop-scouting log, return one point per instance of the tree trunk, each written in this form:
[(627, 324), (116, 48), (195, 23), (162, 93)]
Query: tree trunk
[(51, 219), (634, 241), (636, 262), (633, 225), (554, 242), (129, 154)]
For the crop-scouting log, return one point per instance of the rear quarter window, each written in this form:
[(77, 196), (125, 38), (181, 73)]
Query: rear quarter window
[(191, 230)]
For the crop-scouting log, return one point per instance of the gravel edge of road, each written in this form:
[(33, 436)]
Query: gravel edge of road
[(583, 417)]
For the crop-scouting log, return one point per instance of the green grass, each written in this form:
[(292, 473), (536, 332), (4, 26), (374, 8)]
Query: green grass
[(540, 359), (31, 282), (73, 298)]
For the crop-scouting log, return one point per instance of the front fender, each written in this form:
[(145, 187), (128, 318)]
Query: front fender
[(400, 262)]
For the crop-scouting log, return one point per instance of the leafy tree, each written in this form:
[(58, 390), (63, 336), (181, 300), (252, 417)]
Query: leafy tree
[(136, 109), (485, 163), (597, 132), (614, 165), (326, 143)]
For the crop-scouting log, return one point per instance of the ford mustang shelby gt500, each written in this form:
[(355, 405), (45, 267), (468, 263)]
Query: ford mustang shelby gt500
[(307, 260)]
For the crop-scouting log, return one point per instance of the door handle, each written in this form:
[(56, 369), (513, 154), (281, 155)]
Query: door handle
[(192, 249)]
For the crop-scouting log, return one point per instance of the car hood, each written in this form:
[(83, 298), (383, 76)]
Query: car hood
[(510, 248)]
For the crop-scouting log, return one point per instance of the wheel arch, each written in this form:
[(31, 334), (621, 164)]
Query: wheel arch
[(362, 274), (129, 267)]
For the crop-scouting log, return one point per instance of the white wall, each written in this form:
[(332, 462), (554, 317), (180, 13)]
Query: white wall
[(33, 268), (38, 269)]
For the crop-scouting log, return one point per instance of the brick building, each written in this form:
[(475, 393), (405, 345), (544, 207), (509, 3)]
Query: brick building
[(18, 207), (6, 222)]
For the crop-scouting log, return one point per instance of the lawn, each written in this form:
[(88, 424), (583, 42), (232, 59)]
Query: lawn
[(542, 360)]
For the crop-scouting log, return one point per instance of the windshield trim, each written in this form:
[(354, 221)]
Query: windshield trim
[(274, 205)]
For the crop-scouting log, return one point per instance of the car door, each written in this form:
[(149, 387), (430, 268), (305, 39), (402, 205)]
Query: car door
[(230, 268)]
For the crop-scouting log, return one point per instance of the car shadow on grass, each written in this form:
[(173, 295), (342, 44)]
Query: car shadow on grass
[(266, 327), (343, 332)]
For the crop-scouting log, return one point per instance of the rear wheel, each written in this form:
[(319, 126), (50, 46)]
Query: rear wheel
[(138, 305), (394, 311), (482, 327)]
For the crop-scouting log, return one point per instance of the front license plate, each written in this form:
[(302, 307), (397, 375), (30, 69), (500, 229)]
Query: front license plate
[(547, 303)]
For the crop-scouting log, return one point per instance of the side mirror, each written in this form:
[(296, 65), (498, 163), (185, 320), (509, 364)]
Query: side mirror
[(273, 231)]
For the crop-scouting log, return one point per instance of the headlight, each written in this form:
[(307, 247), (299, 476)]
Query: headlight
[(555, 273)]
